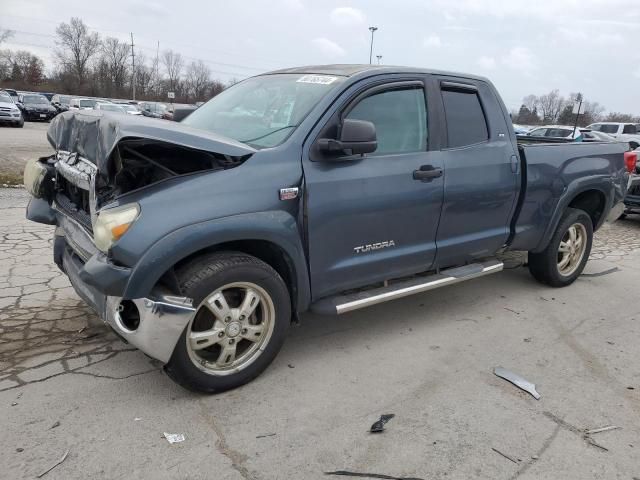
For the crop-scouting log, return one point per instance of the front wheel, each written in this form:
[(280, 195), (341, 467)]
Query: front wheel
[(565, 257), (243, 313)]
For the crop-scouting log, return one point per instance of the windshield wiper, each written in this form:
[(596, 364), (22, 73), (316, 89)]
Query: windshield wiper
[(267, 134)]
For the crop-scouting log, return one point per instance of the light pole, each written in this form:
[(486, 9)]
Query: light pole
[(379, 57), (372, 30)]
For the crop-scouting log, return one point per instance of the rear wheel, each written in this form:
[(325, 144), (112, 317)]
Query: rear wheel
[(242, 318), (565, 257)]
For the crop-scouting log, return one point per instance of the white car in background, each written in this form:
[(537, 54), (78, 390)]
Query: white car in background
[(556, 131), (130, 109), (83, 104), (110, 107), (627, 132)]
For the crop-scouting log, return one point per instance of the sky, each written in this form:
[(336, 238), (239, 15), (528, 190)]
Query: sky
[(523, 46)]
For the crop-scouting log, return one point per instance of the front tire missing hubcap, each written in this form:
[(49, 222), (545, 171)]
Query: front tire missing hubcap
[(242, 318)]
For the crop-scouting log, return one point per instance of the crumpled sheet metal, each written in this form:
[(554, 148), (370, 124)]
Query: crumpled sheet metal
[(518, 381), (378, 426), (93, 135)]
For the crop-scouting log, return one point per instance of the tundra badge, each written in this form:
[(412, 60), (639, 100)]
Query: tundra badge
[(374, 246), (288, 193)]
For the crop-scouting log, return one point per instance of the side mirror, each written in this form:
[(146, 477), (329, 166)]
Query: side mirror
[(357, 137)]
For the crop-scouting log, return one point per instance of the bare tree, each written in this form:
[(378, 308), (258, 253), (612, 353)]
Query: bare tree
[(197, 80), (5, 35), (25, 67), (173, 64), (551, 105), (531, 102), (115, 56), (75, 48)]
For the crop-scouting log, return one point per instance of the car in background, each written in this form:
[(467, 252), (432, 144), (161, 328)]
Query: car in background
[(110, 107), (13, 93), (9, 111), (595, 136), (627, 132), (47, 95), (556, 131), (153, 109), (520, 130), (61, 102), (178, 111), (130, 109), (36, 107), (82, 103)]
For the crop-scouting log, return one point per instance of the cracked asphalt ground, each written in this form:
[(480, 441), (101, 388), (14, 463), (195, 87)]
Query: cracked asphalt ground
[(67, 383)]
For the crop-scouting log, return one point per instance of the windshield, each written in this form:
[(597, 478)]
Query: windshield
[(64, 99), (599, 127), (88, 103), (35, 99), (263, 111), (130, 108)]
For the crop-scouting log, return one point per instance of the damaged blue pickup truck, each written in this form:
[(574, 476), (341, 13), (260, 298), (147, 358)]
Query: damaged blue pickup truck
[(327, 188)]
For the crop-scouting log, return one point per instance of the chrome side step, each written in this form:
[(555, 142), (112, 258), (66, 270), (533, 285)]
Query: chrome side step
[(403, 288)]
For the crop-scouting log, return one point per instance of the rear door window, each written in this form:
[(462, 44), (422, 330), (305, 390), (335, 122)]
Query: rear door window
[(466, 122), (629, 129)]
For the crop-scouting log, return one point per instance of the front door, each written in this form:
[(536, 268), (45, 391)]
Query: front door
[(369, 219)]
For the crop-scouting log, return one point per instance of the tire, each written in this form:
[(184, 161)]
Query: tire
[(18, 125), (201, 364), (546, 265)]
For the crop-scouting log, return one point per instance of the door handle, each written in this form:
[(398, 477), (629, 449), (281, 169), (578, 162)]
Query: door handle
[(427, 173)]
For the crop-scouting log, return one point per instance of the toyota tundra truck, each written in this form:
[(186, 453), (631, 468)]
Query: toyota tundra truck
[(325, 189)]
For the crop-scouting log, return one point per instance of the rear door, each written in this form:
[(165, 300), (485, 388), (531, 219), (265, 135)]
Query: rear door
[(482, 172), (367, 218)]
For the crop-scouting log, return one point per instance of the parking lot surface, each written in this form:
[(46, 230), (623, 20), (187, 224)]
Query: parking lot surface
[(68, 384), (18, 145)]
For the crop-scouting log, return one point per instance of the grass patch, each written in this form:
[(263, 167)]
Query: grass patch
[(12, 179)]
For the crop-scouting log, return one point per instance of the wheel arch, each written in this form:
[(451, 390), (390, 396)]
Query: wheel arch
[(272, 237), (590, 198)]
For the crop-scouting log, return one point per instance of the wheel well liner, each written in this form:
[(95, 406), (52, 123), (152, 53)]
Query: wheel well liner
[(591, 201)]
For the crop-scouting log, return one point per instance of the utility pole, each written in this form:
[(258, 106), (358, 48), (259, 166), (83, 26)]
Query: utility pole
[(372, 30), (379, 57), (133, 68), (577, 111), (157, 70)]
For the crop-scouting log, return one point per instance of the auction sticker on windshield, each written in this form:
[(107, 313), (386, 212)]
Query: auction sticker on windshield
[(320, 79)]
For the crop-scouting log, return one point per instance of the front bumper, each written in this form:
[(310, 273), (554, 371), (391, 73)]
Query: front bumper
[(161, 317)]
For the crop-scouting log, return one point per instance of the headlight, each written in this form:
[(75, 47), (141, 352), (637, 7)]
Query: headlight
[(113, 223), (34, 174)]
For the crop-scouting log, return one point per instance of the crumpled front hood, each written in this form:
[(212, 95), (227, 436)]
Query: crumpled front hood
[(93, 135)]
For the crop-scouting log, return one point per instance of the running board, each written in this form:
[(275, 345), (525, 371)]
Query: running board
[(403, 288)]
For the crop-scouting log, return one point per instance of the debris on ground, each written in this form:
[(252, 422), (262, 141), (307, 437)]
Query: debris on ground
[(13, 404), (601, 429), (378, 426), (518, 381), (600, 274), (291, 366), (504, 455), (19, 449), (64, 457), (174, 437), (57, 424), (267, 435), (369, 475)]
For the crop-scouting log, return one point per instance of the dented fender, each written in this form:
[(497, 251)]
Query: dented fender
[(277, 227)]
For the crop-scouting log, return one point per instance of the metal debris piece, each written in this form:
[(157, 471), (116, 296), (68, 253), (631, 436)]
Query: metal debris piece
[(600, 274), (504, 455), (64, 457), (267, 435), (591, 441), (19, 449), (369, 475), (174, 437), (57, 424), (518, 381), (291, 366), (602, 429), (378, 426), (13, 404), (137, 419)]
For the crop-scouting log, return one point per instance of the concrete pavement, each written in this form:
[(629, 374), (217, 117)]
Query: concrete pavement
[(428, 359)]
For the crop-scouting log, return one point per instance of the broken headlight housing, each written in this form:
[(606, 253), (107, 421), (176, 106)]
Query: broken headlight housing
[(34, 177), (113, 223)]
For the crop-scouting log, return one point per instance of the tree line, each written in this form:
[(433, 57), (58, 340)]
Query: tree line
[(85, 63), (553, 108)]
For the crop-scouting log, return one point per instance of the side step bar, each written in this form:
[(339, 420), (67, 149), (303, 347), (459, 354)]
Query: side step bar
[(403, 288)]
